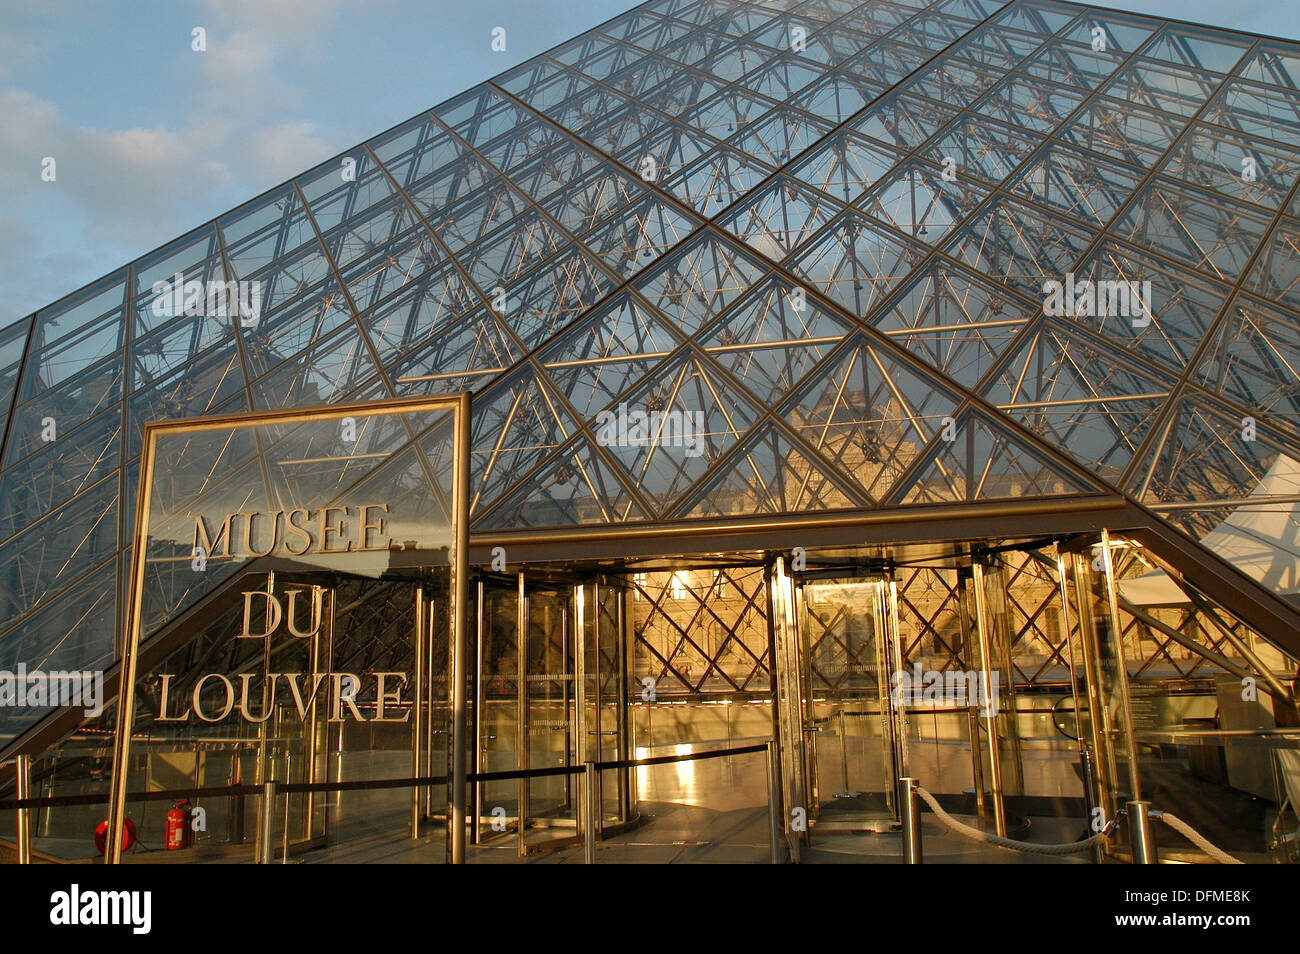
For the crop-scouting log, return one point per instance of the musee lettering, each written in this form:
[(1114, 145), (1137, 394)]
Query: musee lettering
[(295, 532)]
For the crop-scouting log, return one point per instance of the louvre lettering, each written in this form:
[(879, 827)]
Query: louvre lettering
[(215, 697)]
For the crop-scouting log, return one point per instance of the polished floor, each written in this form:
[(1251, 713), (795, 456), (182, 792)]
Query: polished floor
[(715, 810), (700, 812)]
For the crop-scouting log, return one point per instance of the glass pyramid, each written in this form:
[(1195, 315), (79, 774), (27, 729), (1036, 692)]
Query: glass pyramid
[(820, 228)]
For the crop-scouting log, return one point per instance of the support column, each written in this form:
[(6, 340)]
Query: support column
[(460, 637), (23, 789), (421, 634), (1091, 576), (521, 721), (790, 708), (996, 689)]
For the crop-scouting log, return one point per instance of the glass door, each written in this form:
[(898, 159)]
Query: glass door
[(551, 691), (497, 720), (603, 697), (855, 729), (548, 736)]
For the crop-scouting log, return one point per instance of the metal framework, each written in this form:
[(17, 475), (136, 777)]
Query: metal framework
[(822, 226)]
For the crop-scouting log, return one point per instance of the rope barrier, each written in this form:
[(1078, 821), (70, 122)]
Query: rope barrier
[(1196, 838), (1170, 819), (1026, 846)]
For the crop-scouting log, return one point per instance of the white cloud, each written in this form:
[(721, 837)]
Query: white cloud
[(125, 180), (284, 150)]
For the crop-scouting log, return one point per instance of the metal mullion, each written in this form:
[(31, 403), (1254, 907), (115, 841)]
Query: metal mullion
[(927, 454), (767, 413), (581, 430), (730, 631), (12, 625), (411, 436), (122, 547), (1211, 333), (1134, 362), (665, 661), (236, 330), (1102, 232), (45, 601), (443, 248), (677, 386), (728, 86), (1225, 136), (1164, 335), (826, 302), (740, 436), (1094, 399), (926, 370), (23, 361), (685, 632), (783, 106), (621, 285), (1264, 84), (353, 313), (652, 188), (1273, 349)]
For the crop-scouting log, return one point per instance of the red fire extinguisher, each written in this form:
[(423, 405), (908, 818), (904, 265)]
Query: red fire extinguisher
[(177, 834)]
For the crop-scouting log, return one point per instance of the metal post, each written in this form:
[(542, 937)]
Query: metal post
[(521, 720), (590, 819), (460, 636), (480, 736), (977, 763), (264, 834), (909, 814), (23, 789), (288, 777), (1089, 773), (773, 804), (985, 641), (420, 636), (1142, 833)]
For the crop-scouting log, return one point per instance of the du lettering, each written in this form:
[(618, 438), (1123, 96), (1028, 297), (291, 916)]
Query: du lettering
[(275, 612)]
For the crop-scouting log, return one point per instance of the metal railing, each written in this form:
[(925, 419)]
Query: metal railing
[(270, 790), (910, 797)]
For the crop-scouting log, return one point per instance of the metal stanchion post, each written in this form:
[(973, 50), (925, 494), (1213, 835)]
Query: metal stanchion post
[(773, 805), (591, 820), (264, 835), (910, 815), (284, 856), (1089, 775), (23, 788), (1142, 833)]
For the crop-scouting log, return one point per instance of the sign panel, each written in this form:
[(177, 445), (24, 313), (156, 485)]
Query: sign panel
[(287, 570)]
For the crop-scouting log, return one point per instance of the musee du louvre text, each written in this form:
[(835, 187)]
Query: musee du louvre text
[(254, 697)]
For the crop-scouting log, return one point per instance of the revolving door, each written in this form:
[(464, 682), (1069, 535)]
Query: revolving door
[(844, 735), (888, 671), (550, 691)]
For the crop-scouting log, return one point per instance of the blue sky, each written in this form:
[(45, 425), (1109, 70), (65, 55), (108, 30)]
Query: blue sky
[(152, 139)]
